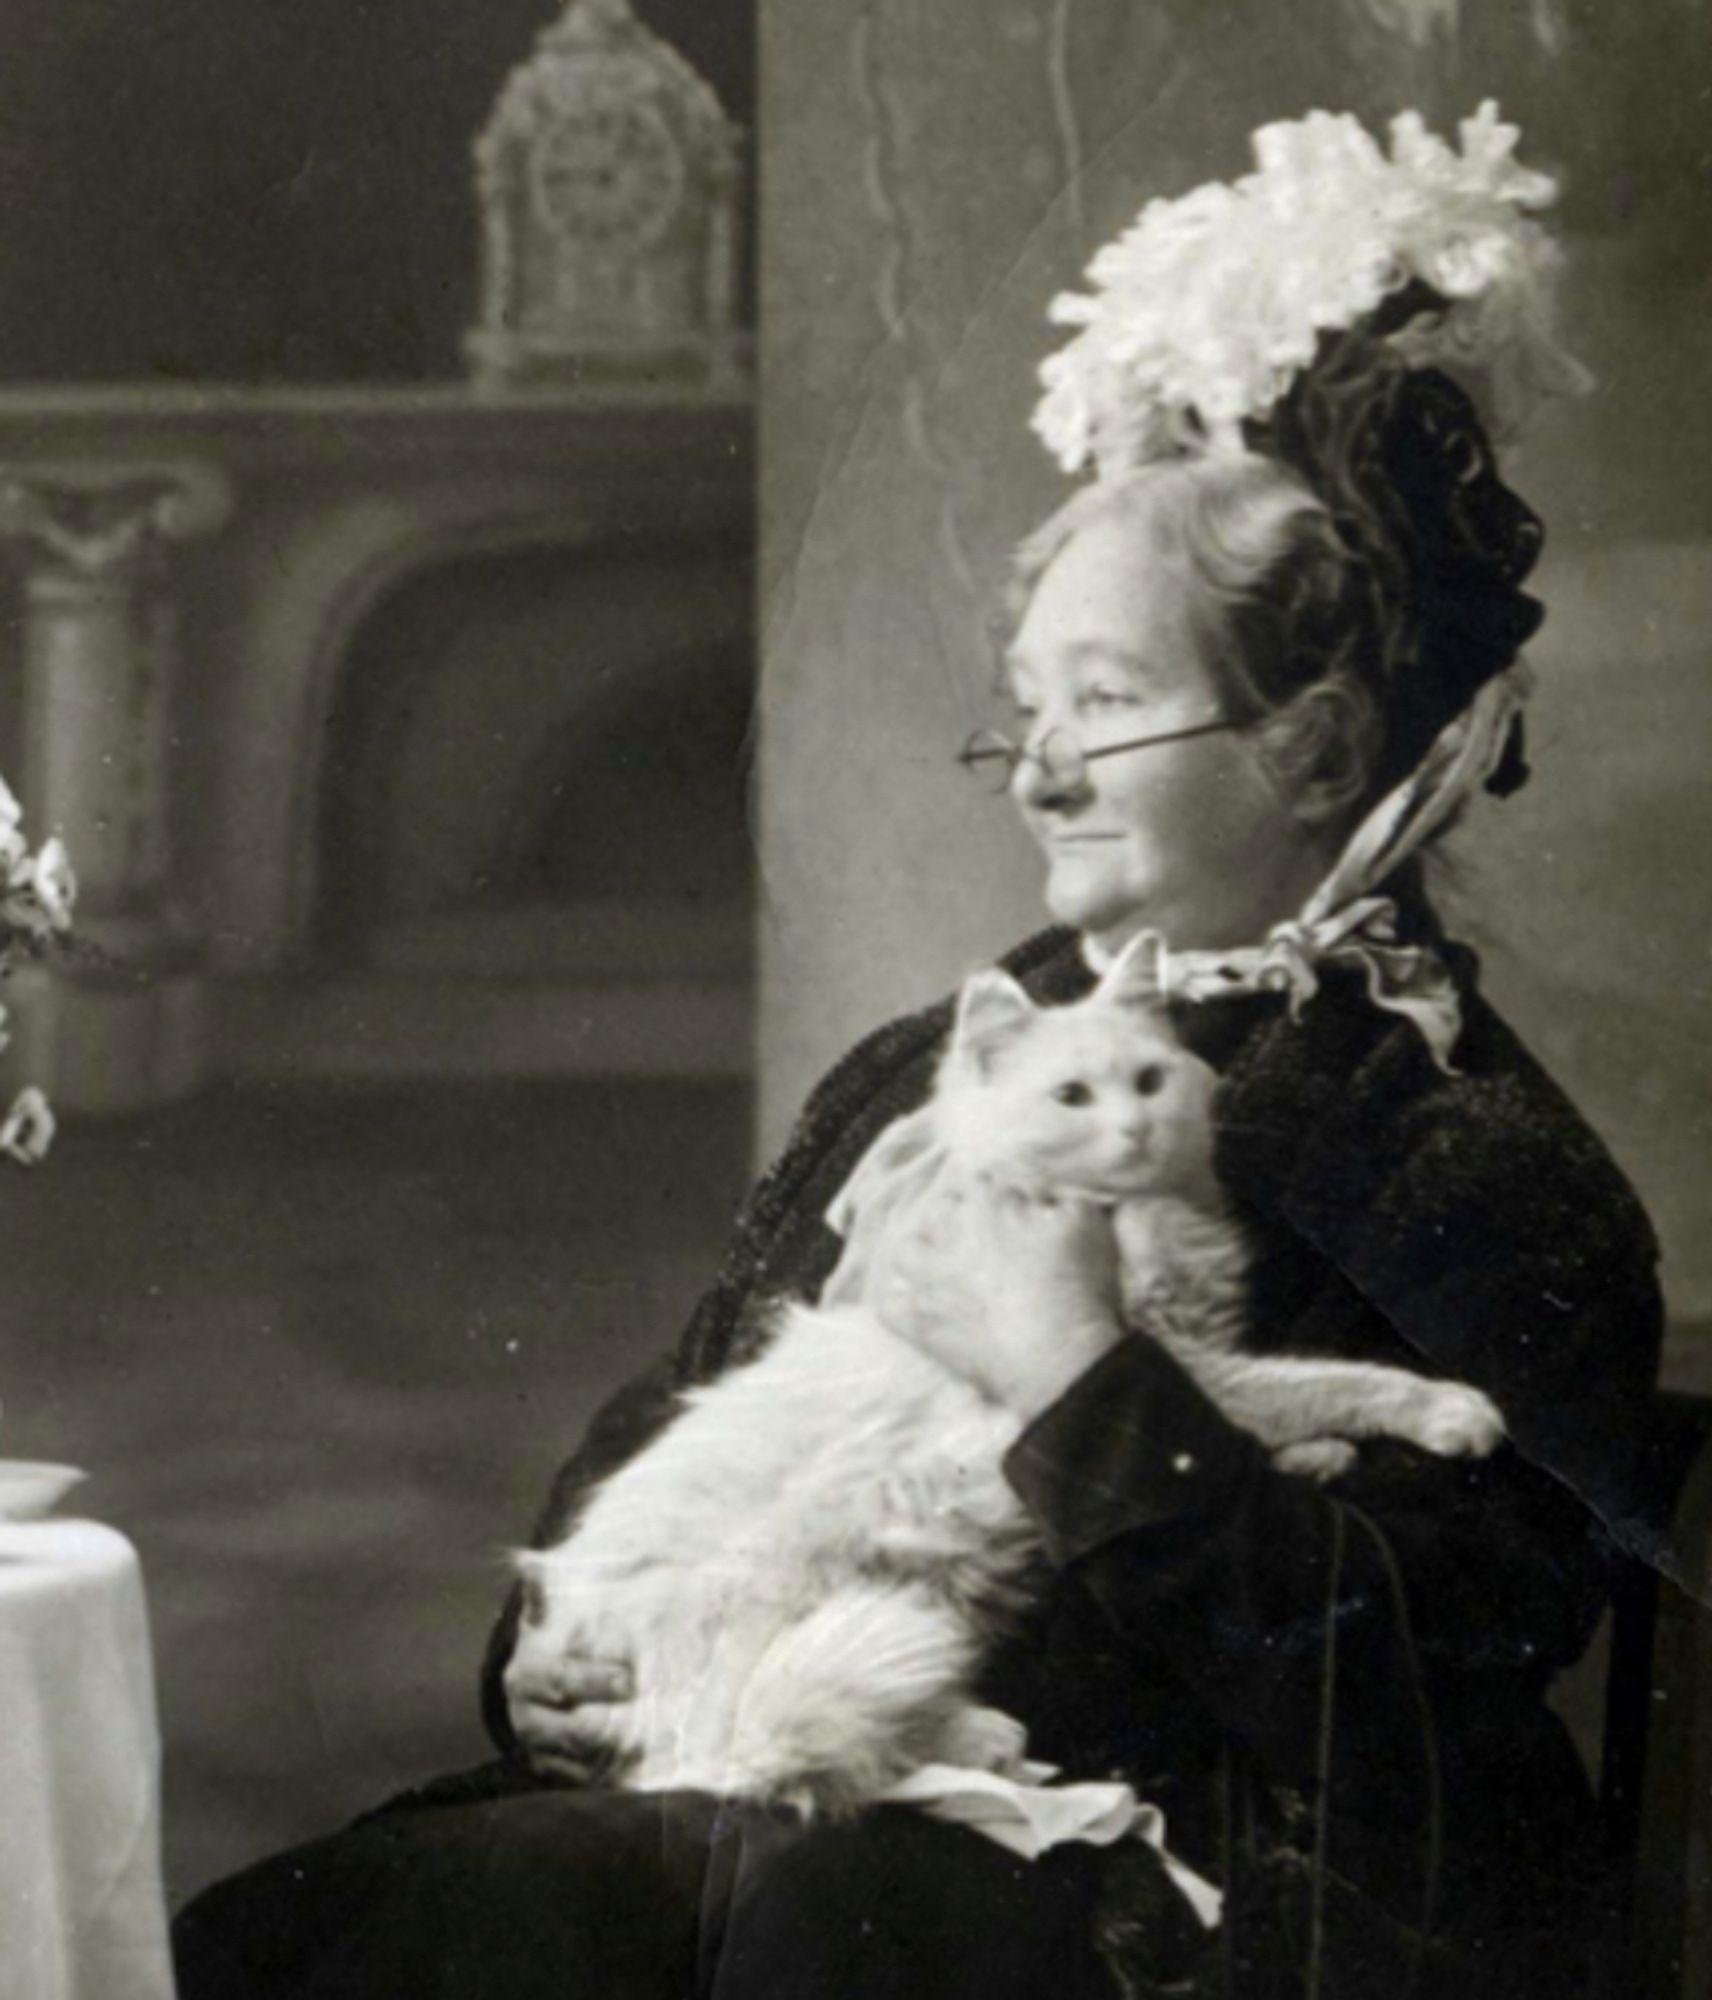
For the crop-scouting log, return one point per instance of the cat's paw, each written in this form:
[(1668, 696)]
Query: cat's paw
[(1456, 1421), (1315, 1458)]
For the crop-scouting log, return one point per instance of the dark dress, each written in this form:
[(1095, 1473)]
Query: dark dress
[(1336, 1694)]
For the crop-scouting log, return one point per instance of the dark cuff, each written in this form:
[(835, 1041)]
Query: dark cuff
[(1133, 1443)]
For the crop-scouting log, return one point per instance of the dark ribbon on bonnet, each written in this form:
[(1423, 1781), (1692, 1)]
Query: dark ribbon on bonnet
[(1400, 457)]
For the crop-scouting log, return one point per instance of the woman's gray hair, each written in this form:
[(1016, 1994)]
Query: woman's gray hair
[(1273, 596)]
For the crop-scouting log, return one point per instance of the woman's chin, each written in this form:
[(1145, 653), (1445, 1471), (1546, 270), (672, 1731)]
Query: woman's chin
[(1085, 904), (1109, 918)]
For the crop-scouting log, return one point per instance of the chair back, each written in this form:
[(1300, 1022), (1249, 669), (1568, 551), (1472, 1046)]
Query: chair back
[(1656, 1757)]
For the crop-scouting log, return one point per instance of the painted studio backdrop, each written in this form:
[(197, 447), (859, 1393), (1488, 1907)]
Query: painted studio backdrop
[(492, 890), (395, 708)]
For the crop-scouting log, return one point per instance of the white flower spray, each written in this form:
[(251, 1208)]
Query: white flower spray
[(37, 893), (1205, 310)]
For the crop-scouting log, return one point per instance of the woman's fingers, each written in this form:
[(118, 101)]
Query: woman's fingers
[(547, 1697), (551, 1705), (550, 1742), (556, 1680), (578, 1680)]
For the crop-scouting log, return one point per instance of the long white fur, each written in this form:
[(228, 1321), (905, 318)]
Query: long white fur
[(802, 1569), (806, 1567)]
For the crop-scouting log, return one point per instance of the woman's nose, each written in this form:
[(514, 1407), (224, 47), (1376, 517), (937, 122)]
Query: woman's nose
[(1048, 779), (1034, 786)]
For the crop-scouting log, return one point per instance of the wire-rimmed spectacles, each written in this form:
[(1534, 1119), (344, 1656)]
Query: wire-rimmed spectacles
[(991, 758)]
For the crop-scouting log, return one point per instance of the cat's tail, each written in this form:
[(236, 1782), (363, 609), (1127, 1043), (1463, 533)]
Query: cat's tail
[(846, 1701)]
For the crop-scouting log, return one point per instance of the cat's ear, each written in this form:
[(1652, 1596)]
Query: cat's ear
[(1136, 977), (992, 1012)]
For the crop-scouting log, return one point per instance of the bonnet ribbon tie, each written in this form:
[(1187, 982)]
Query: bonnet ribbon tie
[(1344, 922), (1402, 979)]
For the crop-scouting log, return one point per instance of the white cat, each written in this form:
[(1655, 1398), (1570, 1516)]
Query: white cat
[(805, 1568)]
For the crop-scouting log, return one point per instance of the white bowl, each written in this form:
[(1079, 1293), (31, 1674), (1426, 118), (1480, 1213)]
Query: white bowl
[(29, 1490)]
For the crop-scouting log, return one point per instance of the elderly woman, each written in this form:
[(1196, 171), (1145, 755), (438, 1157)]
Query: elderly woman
[(1260, 664)]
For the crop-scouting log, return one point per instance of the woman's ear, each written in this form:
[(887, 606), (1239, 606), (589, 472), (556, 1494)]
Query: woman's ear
[(1325, 745), (992, 1011), (1136, 977)]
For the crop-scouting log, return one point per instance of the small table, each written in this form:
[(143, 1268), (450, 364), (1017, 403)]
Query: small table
[(82, 1916)]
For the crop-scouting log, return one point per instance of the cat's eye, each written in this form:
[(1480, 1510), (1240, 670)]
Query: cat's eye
[(1150, 1080), (1074, 1093)]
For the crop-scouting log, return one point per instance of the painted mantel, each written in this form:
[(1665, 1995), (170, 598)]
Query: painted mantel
[(192, 566)]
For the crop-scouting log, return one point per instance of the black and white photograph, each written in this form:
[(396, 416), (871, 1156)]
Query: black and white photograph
[(855, 1103)]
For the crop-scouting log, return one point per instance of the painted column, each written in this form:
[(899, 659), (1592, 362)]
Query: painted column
[(119, 1024)]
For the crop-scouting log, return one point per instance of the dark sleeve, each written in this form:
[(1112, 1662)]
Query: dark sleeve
[(1488, 1240), (1230, 1575)]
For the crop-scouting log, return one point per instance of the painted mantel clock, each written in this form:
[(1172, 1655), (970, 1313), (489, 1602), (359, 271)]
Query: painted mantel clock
[(609, 183)]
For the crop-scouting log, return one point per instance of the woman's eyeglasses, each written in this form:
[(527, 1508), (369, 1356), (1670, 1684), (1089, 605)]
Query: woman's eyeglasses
[(991, 759)]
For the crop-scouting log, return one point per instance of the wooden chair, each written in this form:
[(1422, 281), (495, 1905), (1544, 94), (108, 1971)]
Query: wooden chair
[(1656, 1759)]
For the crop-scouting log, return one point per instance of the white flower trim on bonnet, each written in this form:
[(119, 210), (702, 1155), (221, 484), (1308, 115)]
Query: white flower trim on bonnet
[(1207, 308), (1204, 315)]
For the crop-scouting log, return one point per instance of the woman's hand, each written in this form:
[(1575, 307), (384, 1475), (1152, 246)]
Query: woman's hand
[(544, 1688), (1016, 1292)]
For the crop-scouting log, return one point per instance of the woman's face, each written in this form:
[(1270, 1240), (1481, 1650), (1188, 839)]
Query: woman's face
[(1195, 838)]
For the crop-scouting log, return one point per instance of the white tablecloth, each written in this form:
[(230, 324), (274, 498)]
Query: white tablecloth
[(81, 1911)]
